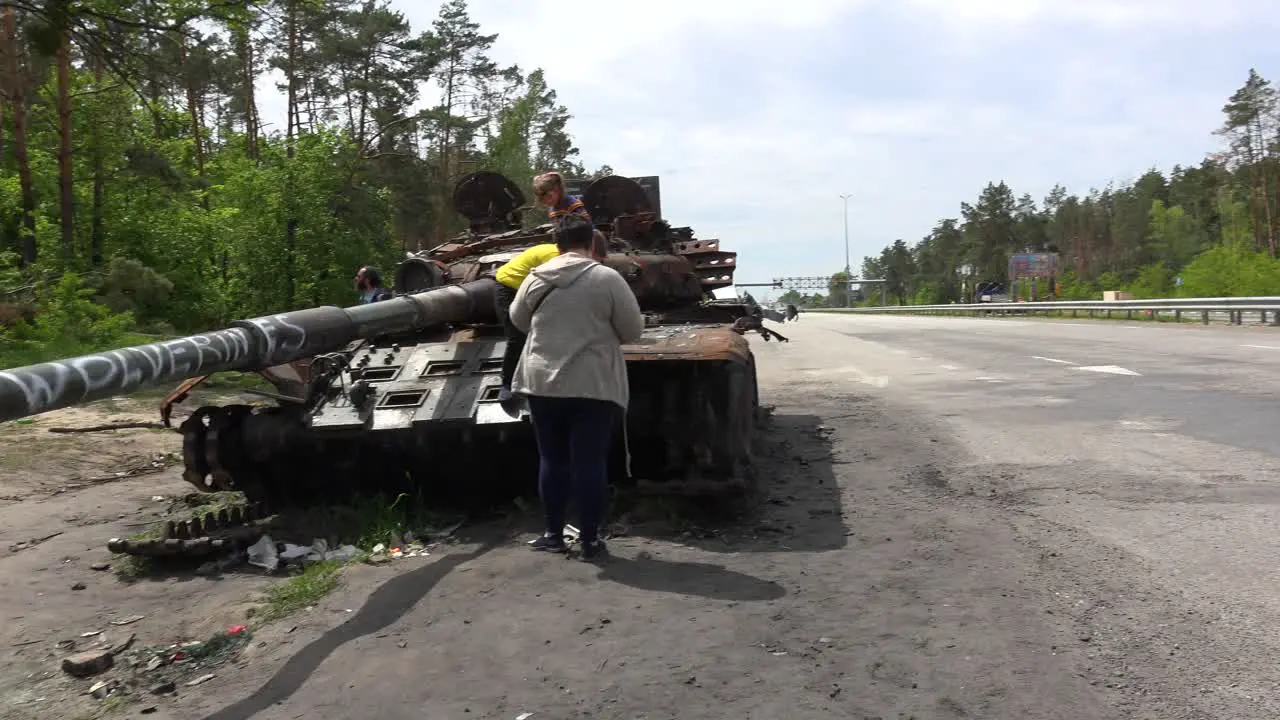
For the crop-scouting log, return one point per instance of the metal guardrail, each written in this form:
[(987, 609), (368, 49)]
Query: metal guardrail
[(1266, 308)]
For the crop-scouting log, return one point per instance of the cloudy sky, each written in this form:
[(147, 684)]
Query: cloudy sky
[(759, 115)]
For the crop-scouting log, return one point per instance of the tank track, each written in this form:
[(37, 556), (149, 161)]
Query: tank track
[(215, 533)]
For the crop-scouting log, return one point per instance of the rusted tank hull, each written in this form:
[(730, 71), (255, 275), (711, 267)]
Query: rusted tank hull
[(694, 404), (703, 342)]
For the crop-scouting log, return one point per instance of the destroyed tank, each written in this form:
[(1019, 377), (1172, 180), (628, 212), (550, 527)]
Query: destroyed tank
[(402, 395)]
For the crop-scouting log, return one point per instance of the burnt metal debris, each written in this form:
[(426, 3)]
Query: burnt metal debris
[(402, 394), (216, 532)]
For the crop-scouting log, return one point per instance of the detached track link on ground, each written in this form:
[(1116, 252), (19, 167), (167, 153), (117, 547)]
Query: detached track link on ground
[(217, 532)]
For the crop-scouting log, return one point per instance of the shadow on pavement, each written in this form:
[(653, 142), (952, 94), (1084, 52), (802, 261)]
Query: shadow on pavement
[(688, 578), (386, 605), (797, 507)]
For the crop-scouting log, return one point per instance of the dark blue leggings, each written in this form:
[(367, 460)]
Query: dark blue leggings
[(573, 441)]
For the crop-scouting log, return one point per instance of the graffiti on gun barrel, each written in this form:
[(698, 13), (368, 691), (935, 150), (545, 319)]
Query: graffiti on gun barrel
[(51, 385)]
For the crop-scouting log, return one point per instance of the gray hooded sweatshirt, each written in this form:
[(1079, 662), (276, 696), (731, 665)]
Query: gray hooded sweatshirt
[(578, 314)]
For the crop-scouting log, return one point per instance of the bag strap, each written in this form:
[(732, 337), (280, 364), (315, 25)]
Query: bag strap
[(542, 299), (538, 304)]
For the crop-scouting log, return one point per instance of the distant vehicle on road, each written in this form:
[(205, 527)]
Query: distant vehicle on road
[(991, 292)]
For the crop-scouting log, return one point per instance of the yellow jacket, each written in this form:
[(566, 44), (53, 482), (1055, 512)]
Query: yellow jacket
[(515, 270)]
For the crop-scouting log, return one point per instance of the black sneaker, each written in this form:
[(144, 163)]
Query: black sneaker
[(594, 550), (550, 543)]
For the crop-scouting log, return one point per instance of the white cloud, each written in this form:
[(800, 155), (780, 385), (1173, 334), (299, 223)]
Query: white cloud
[(758, 115), (1098, 14)]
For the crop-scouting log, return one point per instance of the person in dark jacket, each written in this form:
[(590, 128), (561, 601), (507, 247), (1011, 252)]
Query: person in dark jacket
[(369, 284), (577, 313)]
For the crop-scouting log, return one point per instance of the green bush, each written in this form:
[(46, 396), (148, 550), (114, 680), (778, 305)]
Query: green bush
[(1232, 270), (131, 287), (68, 323)]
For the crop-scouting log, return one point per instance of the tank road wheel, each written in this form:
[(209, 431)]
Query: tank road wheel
[(222, 446), (214, 454), (195, 469)]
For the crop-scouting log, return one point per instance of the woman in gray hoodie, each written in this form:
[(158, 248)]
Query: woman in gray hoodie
[(577, 313)]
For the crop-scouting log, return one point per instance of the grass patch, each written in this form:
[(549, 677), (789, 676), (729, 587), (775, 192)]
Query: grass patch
[(113, 706), (367, 521), (379, 520), (364, 523), (235, 381), (201, 503), (132, 567), (303, 590)]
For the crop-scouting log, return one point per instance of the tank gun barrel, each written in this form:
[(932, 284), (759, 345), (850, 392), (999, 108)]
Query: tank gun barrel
[(246, 345)]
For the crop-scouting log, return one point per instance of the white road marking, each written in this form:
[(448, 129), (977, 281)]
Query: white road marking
[(879, 381), (1053, 360), (989, 379), (949, 367), (1077, 325), (1262, 347), (1112, 369), (1050, 400)]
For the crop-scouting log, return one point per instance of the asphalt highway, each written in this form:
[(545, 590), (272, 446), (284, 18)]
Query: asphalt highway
[(1160, 440), (1217, 385)]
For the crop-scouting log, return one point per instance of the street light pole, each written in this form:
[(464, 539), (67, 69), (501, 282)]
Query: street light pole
[(848, 271)]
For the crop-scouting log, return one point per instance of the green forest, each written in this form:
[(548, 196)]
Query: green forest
[(143, 194), (1213, 226)]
